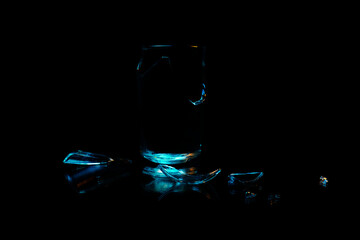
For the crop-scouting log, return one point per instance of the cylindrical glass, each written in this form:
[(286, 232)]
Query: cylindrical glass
[(172, 94)]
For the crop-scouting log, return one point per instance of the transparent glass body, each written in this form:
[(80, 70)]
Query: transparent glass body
[(172, 94)]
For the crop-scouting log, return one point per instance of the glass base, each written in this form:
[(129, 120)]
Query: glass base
[(170, 158)]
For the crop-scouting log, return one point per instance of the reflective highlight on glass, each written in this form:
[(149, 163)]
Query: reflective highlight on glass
[(170, 157), (188, 178), (165, 186), (246, 186), (86, 158), (157, 172), (244, 178), (323, 181), (189, 175), (202, 98), (84, 178)]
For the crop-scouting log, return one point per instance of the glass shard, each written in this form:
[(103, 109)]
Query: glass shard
[(244, 178), (166, 186), (249, 194), (323, 181), (86, 158), (189, 178)]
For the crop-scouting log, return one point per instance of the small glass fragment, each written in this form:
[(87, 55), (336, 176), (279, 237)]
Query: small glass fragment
[(250, 195), (323, 181), (244, 178), (86, 158)]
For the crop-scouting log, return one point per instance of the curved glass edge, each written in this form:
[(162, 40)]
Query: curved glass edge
[(170, 158), (155, 46), (183, 177), (246, 177), (86, 158)]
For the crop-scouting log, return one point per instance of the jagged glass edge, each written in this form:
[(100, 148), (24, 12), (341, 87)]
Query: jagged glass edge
[(188, 179), (67, 159), (233, 179)]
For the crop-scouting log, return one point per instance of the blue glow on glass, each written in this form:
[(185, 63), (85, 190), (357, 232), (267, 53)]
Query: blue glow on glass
[(154, 172), (202, 98), (170, 158), (86, 158), (161, 45), (139, 65), (246, 177), (323, 181), (183, 177)]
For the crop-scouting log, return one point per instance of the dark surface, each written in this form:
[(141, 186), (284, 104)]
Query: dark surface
[(266, 112), (277, 102)]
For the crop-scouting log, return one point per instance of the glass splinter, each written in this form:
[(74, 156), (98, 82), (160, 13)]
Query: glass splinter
[(244, 178), (250, 195), (323, 181), (86, 158), (183, 177)]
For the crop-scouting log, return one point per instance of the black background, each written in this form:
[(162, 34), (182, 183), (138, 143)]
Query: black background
[(278, 101)]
